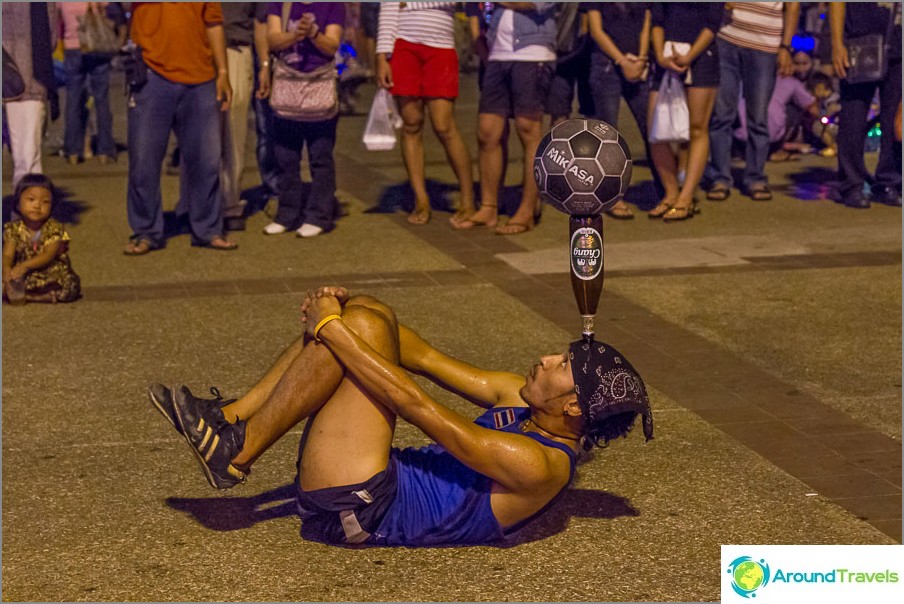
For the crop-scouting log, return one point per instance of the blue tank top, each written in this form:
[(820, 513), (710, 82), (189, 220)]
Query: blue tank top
[(441, 501)]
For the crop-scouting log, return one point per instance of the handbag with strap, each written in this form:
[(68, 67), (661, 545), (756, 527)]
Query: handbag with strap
[(302, 96), (13, 84), (868, 54), (96, 34)]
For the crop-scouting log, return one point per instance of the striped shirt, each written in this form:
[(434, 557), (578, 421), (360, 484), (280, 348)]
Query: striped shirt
[(756, 25), (428, 23)]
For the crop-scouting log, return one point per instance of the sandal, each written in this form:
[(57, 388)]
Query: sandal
[(15, 292), (619, 212), (218, 243), (760, 193), (519, 228), (139, 247), (718, 192), (675, 214), (660, 210)]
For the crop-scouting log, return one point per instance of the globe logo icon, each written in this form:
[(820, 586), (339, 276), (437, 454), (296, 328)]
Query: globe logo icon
[(748, 575)]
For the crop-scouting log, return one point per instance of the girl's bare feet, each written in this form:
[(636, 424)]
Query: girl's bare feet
[(485, 216), (420, 215)]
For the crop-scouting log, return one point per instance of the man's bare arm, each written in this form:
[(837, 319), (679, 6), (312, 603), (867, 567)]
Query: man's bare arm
[(483, 387)]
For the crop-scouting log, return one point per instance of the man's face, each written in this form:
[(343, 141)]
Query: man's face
[(549, 379)]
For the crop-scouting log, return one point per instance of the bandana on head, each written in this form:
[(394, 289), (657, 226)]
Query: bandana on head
[(607, 384)]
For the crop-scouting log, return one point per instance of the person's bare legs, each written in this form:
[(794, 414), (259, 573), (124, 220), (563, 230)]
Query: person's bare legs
[(305, 378), (442, 117), (700, 103), (490, 129), (412, 112), (666, 164), (530, 131)]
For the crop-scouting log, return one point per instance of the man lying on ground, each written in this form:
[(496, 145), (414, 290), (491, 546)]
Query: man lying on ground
[(346, 375)]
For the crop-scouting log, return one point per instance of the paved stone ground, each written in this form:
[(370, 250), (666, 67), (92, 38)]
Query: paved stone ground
[(769, 335)]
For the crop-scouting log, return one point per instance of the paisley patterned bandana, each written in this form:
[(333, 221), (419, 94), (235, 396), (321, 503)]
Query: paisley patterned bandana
[(607, 384)]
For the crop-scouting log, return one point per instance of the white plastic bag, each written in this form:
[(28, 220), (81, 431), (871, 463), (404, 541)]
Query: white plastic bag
[(379, 134), (671, 120)]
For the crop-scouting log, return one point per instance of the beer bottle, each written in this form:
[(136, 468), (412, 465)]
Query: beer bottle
[(587, 267)]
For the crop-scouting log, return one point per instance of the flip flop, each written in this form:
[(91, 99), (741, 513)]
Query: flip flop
[(138, 247), (218, 243), (618, 213), (514, 228), (718, 193), (419, 217)]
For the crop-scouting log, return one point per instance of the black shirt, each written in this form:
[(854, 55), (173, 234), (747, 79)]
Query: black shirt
[(623, 22), (683, 21), (238, 21), (863, 18)]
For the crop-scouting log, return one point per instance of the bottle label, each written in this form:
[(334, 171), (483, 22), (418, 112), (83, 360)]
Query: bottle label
[(586, 253)]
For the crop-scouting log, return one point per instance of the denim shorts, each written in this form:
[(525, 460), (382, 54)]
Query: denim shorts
[(347, 515), (515, 88)]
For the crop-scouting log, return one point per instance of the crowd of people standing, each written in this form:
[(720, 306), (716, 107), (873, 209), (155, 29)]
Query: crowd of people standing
[(759, 82)]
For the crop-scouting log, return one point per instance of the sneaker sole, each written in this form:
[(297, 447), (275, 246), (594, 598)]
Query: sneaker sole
[(212, 478), (159, 406)]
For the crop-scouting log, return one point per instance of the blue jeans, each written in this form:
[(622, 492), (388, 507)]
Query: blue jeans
[(754, 72), (193, 112), (319, 208), (94, 73), (266, 155), (608, 86)]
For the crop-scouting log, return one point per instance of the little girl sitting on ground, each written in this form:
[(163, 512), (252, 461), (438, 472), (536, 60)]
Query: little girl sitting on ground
[(36, 265)]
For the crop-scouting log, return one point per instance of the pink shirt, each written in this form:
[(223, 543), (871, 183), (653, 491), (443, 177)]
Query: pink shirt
[(69, 13)]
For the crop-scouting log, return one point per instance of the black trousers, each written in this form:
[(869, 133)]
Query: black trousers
[(852, 130)]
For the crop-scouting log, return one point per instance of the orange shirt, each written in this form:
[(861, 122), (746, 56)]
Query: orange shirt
[(173, 38)]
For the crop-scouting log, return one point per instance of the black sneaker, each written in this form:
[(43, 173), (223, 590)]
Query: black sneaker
[(161, 398), (856, 200), (888, 196), (213, 440)]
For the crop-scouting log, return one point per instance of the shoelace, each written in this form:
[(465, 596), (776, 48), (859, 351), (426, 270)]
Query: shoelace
[(218, 398)]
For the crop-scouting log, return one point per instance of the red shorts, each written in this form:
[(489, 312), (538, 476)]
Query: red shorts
[(424, 71)]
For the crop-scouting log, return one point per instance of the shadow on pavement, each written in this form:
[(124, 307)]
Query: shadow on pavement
[(401, 197), (236, 513)]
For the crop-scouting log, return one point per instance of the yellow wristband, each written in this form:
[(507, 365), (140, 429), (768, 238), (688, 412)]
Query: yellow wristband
[(322, 323)]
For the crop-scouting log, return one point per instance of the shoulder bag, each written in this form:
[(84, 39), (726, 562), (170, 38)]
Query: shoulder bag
[(303, 96), (869, 54), (96, 34)]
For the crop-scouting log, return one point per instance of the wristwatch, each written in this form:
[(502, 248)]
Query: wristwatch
[(785, 47)]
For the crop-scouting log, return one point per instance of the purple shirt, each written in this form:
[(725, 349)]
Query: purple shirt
[(787, 90), (304, 56)]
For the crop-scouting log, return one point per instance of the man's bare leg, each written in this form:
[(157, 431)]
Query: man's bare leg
[(247, 405), (313, 378)]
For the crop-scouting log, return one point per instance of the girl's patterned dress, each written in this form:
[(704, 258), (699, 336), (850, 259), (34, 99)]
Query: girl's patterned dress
[(56, 276)]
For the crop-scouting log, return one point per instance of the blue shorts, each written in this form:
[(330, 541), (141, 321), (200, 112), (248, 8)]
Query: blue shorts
[(347, 515)]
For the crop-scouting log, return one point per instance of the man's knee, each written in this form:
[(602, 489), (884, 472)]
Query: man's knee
[(375, 323)]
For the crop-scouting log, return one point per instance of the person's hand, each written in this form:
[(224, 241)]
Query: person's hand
[(17, 272), (224, 91), (384, 73), (785, 62), (481, 49), (681, 62), (304, 27), (632, 67), (313, 30), (336, 291), (263, 83), (840, 60), (317, 305)]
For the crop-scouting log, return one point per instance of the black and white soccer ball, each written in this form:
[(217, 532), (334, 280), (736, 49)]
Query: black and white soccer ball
[(582, 167)]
